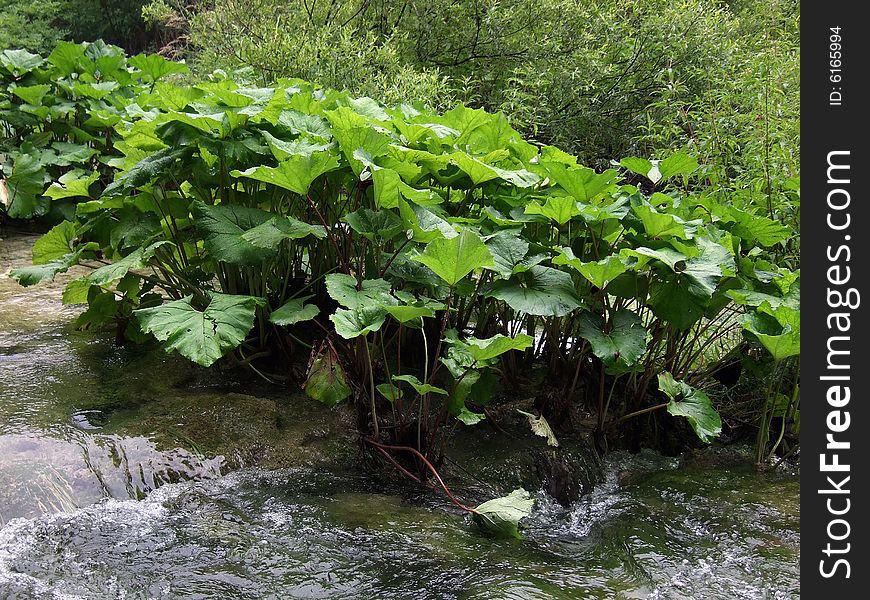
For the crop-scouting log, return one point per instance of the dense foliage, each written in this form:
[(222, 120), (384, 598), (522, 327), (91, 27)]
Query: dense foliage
[(412, 259), (598, 79), (37, 25)]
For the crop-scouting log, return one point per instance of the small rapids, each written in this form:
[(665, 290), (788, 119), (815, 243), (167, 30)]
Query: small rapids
[(301, 533)]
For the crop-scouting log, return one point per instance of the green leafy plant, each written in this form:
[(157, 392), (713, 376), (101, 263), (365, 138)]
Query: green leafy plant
[(412, 260)]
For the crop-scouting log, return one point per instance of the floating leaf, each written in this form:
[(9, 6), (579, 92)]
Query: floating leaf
[(501, 516)]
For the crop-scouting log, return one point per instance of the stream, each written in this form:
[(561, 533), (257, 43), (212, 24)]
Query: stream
[(128, 473)]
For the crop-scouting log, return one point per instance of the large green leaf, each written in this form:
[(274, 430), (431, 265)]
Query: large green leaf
[(138, 259), (672, 302), (55, 244), (623, 341), (480, 172), (374, 224), (223, 229), (154, 66), (663, 224), (758, 228), (485, 349), (584, 184), (678, 163), (294, 174), (270, 234), (147, 169), (599, 273), (345, 290), (361, 320), (501, 516), (694, 405), (72, 185), (508, 251), (294, 311), (32, 275), (31, 94), (539, 291), (560, 209), (326, 381), (452, 259), (202, 336), (778, 328), (19, 62), (21, 192)]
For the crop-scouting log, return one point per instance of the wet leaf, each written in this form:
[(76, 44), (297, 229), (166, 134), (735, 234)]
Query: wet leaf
[(541, 427), (326, 380), (500, 517)]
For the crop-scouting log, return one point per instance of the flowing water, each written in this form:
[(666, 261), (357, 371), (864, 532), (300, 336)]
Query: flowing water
[(125, 473)]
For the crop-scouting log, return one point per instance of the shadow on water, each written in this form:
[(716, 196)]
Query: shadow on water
[(113, 483)]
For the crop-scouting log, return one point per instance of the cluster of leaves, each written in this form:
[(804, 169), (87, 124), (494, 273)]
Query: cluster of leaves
[(57, 123), (597, 79), (412, 252)]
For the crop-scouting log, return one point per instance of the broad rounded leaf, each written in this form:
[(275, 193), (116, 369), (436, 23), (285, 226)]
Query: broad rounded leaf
[(452, 259), (539, 291), (223, 228), (326, 381), (489, 348), (624, 341), (294, 311), (201, 336)]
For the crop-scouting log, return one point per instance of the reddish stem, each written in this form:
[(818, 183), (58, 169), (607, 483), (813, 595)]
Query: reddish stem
[(384, 447)]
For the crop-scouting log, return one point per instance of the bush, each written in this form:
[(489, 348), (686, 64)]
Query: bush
[(405, 254)]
